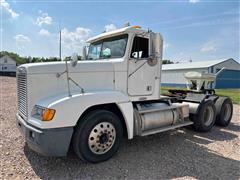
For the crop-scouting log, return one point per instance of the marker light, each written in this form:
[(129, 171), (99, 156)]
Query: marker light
[(136, 27)]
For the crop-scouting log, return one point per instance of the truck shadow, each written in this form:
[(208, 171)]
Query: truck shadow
[(173, 154), (9, 74)]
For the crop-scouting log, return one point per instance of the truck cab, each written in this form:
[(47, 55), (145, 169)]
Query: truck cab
[(114, 92)]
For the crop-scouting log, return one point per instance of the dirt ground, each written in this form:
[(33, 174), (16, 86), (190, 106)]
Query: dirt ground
[(177, 154)]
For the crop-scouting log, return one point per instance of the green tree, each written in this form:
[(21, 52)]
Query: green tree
[(15, 56), (167, 61), (22, 60)]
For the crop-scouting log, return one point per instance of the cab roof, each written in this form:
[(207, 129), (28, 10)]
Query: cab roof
[(134, 29)]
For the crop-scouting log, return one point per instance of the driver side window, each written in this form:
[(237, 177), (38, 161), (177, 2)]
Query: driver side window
[(140, 48)]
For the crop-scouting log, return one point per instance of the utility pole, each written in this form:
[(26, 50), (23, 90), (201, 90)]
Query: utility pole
[(60, 42)]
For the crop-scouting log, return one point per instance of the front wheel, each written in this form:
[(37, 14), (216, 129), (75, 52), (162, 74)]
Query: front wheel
[(97, 138)]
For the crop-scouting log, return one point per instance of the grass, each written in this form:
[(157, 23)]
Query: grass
[(234, 94)]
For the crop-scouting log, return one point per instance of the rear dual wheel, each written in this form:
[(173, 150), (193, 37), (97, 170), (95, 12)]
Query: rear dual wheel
[(205, 118), (224, 108), (209, 113), (97, 138)]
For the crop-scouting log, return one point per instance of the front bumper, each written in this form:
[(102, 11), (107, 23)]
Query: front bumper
[(48, 142)]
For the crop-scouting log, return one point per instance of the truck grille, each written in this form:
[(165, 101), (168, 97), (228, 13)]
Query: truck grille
[(22, 93)]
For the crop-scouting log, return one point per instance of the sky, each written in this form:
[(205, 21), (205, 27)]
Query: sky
[(194, 30)]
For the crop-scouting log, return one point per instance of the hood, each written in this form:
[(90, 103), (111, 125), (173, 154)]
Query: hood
[(42, 82), (58, 67)]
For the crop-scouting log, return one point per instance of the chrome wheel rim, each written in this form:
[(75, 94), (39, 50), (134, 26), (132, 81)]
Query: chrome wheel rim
[(208, 115), (227, 112), (102, 138)]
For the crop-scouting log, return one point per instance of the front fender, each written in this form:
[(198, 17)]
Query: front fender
[(69, 108)]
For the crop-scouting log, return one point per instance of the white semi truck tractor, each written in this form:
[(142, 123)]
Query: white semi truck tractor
[(113, 93)]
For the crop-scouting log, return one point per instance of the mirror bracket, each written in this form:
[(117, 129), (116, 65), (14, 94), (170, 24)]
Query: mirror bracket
[(152, 60)]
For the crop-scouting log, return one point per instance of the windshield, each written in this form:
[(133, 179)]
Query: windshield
[(108, 48)]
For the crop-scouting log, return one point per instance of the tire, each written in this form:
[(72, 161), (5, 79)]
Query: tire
[(97, 138), (224, 109), (205, 118)]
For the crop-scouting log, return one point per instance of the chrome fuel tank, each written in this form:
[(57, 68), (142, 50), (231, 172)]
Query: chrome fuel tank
[(159, 115)]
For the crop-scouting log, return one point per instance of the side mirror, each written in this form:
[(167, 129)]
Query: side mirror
[(84, 52), (74, 60), (155, 48)]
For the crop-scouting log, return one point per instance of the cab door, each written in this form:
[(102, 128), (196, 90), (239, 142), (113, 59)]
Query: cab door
[(141, 74)]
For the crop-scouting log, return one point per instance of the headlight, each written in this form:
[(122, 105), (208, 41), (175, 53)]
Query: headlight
[(43, 113)]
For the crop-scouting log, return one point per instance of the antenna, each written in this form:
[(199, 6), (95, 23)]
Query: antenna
[(60, 56)]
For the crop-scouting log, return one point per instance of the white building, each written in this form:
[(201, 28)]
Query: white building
[(172, 74), (7, 65)]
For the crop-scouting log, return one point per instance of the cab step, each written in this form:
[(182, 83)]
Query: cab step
[(167, 128)]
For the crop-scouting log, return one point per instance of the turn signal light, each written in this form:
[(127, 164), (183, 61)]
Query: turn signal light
[(48, 114)]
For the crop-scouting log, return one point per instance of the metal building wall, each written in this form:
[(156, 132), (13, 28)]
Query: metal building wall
[(175, 78), (229, 64), (228, 79)]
